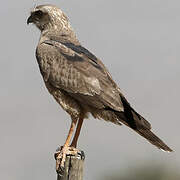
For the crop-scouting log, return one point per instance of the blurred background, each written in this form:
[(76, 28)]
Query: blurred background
[(139, 42), (148, 171)]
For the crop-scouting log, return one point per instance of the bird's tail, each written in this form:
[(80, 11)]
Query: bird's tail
[(153, 139), (135, 121)]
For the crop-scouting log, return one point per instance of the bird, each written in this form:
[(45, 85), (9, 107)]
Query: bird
[(79, 81)]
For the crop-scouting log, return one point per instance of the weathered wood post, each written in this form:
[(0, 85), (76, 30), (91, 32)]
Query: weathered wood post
[(73, 169)]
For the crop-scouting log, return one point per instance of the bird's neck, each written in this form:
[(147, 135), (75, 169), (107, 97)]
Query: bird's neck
[(59, 34)]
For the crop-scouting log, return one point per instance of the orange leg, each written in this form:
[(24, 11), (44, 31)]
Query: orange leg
[(78, 129), (61, 157), (68, 139)]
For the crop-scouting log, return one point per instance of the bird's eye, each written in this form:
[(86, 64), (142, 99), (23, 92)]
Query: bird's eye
[(38, 13)]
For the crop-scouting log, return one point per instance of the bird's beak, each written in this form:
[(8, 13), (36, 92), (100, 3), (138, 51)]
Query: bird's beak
[(30, 19)]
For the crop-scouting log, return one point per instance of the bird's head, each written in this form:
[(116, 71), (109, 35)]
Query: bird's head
[(49, 17)]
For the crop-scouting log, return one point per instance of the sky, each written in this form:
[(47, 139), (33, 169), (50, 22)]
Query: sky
[(137, 40)]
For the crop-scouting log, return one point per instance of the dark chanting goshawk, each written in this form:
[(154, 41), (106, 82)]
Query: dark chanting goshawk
[(79, 81)]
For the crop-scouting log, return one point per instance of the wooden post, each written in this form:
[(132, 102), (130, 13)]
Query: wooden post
[(73, 169)]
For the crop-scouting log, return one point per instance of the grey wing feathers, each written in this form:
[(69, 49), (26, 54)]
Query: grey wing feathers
[(60, 72), (77, 71)]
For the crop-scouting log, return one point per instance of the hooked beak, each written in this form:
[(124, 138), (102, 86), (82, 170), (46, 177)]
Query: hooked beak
[(30, 19)]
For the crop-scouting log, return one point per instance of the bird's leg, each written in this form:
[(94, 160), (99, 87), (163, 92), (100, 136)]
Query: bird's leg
[(61, 155), (78, 129)]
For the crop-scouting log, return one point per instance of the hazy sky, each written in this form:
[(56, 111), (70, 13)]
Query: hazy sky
[(139, 42)]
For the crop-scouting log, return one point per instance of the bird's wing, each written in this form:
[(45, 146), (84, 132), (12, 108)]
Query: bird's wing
[(77, 71)]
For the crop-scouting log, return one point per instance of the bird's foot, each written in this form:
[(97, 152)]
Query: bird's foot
[(61, 154)]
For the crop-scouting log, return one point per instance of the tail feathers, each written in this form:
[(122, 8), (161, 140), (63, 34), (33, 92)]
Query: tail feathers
[(135, 121), (153, 139)]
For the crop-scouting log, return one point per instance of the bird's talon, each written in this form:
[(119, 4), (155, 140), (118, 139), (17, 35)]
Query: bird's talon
[(60, 156), (81, 153)]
